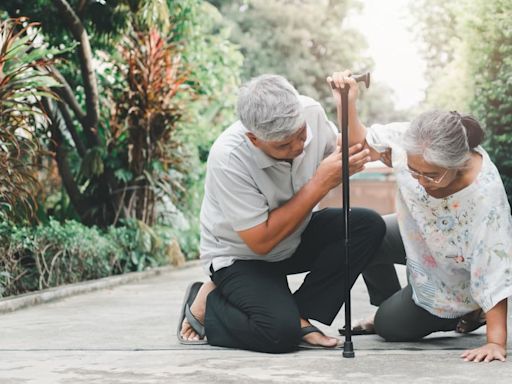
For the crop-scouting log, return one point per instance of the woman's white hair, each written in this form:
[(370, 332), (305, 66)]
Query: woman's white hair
[(443, 138), (269, 107)]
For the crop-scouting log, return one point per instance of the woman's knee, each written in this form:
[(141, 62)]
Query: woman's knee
[(396, 320), (386, 327)]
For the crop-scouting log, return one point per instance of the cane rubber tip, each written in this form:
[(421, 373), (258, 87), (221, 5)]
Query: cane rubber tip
[(348, 350)]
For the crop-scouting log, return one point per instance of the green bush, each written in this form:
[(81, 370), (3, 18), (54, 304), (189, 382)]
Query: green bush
[(61, 253), (490, 36)]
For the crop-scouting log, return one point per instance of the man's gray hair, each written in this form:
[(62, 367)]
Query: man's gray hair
[(443, 138), (269, 107)]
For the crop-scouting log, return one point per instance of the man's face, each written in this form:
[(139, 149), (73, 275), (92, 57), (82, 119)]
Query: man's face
[(286, 149)]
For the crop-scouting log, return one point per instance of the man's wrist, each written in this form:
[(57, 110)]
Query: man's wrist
[(317, 187)]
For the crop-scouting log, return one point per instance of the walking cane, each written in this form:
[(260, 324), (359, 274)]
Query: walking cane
[(348, 347)]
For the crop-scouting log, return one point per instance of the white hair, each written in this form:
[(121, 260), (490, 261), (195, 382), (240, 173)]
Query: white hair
[(269, 107), (443, 138)]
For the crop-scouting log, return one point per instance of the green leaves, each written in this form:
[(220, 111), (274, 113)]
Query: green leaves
[(58, 253), (471, 67), (24, 80)]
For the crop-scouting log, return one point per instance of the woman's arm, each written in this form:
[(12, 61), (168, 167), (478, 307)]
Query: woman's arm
[(357, 131), (496, 347)]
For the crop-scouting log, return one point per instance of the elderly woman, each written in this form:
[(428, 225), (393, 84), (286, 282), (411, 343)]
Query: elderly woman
[(453, 227)]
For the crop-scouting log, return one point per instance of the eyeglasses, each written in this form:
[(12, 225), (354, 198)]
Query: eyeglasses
[(435, 180)]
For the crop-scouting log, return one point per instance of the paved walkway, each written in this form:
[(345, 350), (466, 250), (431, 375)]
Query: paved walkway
[(126, 334)]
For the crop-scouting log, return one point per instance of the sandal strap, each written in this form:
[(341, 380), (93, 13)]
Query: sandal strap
[(309, 329), (194, 323)]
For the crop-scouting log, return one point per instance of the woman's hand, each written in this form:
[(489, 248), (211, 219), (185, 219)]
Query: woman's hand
[(338, 80), (486, 353), (385, 157), (495, 349)]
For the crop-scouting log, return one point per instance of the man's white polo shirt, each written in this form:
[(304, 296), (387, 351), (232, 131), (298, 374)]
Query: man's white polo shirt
[(243, 185)]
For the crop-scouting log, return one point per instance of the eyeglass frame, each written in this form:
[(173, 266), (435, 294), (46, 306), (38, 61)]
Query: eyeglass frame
[(434, 180)]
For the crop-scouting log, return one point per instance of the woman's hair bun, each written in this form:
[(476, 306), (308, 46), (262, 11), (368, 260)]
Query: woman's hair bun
[(474, 131)]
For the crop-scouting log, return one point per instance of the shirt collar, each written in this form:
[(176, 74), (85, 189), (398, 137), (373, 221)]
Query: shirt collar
[(263, 160)]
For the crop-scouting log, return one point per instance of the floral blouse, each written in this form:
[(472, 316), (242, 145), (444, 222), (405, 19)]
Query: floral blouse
[(459, 248)]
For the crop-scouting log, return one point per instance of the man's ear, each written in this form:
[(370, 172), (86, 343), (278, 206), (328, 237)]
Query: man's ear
[(253, 138)]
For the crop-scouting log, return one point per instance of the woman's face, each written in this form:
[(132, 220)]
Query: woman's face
[(431, 177)]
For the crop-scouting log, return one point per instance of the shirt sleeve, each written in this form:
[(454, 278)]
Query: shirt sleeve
[(239, 199), (331, 133), (491, 258), (389, 137), (385, 136)]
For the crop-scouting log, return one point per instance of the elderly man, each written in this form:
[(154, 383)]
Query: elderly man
[(265, 175)]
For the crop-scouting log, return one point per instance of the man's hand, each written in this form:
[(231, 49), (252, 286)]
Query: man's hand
[(328, 174), (284, 220), (486, 353)]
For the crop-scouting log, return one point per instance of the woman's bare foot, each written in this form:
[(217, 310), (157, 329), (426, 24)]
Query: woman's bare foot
[(198, 309), (471, 321), (365, 325), (317, 338)]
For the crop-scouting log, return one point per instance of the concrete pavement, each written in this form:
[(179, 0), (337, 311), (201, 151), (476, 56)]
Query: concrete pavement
[(126, 334)]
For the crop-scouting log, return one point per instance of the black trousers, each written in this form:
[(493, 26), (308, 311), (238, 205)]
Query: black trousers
[(252, 306), (380, 274), (398, 317)]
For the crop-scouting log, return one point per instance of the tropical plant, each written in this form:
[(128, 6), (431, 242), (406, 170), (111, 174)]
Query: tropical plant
[(24, 79), (92, 142), (142, 136)]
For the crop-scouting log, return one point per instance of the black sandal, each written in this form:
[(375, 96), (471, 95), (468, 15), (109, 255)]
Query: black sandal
[(186, 313)]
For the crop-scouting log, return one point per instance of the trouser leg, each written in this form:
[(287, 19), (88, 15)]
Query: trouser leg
[(322, 252), (380, 275), (252, 308), (400, 319)]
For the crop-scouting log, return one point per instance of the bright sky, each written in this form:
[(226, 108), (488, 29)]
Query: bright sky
[(397, 61)]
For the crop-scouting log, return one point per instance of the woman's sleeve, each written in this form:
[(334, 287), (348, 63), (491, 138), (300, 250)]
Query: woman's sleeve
[(382, 137)]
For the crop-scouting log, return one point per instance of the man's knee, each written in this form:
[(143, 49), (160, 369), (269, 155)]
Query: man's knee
[(374, 224), (281, 336)]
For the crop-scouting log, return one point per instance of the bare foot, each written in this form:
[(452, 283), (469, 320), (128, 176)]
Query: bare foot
[(317, 338), (198, 309), (471, 321), (365, 324)]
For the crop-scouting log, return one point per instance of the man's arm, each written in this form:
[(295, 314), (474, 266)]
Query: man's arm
[(282, 221)]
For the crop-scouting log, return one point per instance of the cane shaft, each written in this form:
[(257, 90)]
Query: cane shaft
[(348, 350)]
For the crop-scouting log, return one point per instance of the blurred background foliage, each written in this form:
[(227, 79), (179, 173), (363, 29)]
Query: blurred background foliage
[(109, 108), (468, 48)]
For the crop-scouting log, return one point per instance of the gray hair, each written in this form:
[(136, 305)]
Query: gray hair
[(443, 138), (269, 107)]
